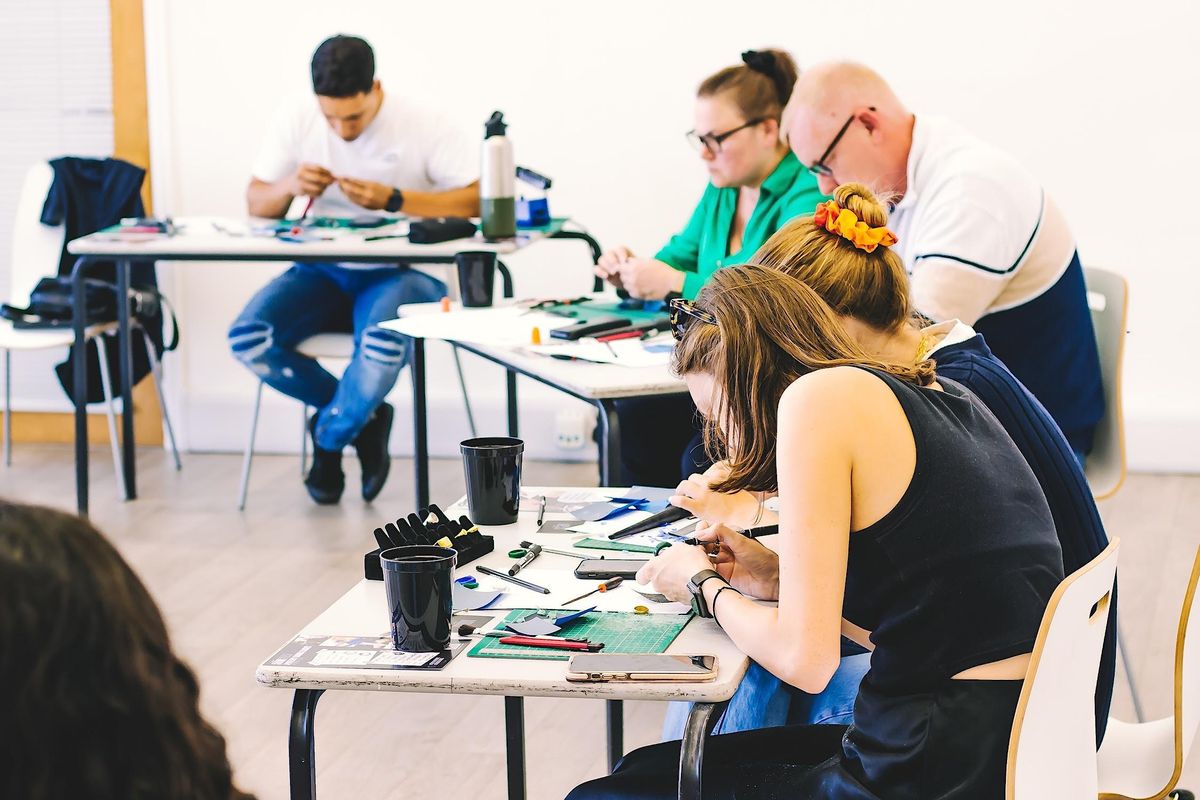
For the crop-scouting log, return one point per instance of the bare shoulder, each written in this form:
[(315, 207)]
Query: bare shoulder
[(836, 392)]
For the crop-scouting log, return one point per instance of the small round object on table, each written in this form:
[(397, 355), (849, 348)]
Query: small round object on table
[(641, 610), (517, 553)]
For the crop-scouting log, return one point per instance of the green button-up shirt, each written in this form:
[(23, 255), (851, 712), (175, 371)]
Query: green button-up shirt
[(701, 248)]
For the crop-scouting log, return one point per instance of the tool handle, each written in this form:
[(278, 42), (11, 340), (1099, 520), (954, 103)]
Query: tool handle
[(611, 583), (530, 641)]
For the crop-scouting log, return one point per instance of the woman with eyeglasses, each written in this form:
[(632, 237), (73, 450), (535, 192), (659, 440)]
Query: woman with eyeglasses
[(909, 521), (755, 182), (755, 185), (869, 293)]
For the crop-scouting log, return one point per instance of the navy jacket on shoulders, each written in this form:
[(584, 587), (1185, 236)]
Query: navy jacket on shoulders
[(1076, 518)]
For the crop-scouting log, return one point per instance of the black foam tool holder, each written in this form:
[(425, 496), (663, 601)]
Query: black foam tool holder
[(466, 539)]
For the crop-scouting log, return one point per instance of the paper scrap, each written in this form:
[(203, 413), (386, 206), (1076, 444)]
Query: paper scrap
[(471, 599)]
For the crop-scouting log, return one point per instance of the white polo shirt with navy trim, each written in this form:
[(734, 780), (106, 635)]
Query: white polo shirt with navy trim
[(984, 243)]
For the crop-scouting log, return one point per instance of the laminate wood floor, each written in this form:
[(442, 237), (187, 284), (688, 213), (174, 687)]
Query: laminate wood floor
[(235, 585)]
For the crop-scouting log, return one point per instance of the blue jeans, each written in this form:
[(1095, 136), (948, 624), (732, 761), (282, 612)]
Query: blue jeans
[(764, 701), (326, 298)]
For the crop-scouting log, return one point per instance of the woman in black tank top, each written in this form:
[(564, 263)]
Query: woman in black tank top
[(908, 521)]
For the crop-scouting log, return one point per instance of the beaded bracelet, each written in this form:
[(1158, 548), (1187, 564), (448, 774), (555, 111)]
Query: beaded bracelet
[(713, 605)]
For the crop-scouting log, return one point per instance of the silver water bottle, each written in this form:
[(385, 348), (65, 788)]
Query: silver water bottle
[(497, 190)]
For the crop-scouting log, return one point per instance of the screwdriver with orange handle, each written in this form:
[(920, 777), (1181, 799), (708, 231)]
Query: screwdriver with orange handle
[(604, 586)]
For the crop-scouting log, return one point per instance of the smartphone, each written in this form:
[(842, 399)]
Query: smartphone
[(603, 568), (589, 328), (604, 667)]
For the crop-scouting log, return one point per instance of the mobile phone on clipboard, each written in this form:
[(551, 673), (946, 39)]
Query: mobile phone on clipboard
[(600, 569), (607, 667)]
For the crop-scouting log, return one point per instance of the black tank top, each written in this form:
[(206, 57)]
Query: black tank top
[(959, 572)]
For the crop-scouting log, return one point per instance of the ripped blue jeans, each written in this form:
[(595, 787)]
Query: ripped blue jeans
[(327, 298)]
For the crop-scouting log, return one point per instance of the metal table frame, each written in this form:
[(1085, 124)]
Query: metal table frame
[(86, 263), (302, 764), (610, 434)]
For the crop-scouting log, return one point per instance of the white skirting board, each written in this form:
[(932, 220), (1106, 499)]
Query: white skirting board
[(1156, 443)]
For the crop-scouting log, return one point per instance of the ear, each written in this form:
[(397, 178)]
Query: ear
[(870, 119), (771, 131), (376, 86)]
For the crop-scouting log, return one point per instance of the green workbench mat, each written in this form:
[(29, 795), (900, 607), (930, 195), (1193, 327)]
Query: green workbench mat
[(621, 632)]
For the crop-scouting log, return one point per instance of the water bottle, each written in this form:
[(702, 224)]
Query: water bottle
[(497, 192)]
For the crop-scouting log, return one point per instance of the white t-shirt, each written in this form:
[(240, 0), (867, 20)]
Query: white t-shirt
[(976, 232), (405, 146)]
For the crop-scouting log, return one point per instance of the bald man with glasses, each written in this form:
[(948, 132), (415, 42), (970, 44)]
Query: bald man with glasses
[(981, 239)]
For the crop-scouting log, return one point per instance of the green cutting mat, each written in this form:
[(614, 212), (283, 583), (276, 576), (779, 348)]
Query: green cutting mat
[(621, 632), (609, 544), (585, 312)]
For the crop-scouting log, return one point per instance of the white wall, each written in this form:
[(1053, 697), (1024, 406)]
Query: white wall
[(1097, 98)]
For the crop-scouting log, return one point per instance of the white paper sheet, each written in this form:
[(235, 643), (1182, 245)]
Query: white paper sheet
[(623, 352), (509, 326)]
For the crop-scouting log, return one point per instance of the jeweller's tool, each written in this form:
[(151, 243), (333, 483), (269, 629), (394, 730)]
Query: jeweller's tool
[(604, 586)]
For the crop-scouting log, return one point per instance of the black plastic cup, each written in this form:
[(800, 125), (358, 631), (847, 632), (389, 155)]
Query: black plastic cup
[(419, 597), (476, 277), (492, 468)]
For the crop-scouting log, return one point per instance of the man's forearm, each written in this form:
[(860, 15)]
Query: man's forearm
[(462, 202), (270, 200)]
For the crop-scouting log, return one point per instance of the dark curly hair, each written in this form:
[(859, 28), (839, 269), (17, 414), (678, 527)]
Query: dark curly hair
[(93, 703)]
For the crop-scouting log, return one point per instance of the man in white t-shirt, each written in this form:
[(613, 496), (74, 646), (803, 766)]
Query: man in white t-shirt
[(981, 239), (350, 151)]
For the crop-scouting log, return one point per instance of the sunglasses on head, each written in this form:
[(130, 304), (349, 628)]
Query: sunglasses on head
[(683, 312)]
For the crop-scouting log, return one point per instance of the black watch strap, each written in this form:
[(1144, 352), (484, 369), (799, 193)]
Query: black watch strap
[(696, 587), (395, 202)]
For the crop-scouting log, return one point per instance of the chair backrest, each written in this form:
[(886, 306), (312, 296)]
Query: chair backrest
[(1108, 299), (1052, 750), (1187, 673), (36, 248)]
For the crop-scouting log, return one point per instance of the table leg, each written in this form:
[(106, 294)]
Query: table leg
[(79, 378), (514, 735), (610, 443), (420, 432), (700, 722), (125, 348), (302, 764), (511, 382), (616, 732)]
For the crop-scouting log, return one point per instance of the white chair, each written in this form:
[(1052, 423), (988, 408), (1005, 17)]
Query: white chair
[(36, 252), (320, 346), (1144, 760), (1108, 299), (1052, 750)]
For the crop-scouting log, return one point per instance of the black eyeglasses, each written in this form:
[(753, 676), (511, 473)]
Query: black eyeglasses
[(818, 167), (682, 312), (712, 141)]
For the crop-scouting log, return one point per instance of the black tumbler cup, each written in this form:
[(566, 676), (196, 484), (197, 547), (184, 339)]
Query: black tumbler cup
[(492, 467), (476, 277), (417, 582)]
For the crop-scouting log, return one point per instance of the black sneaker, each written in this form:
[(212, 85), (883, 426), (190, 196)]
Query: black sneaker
[(325, 481), (372, 446)]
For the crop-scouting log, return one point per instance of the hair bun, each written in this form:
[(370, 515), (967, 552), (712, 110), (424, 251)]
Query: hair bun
[(767, 63), (760, 61), (862, 201)]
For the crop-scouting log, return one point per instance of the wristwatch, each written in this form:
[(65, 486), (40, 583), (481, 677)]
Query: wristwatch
[(699, 604), (395, 201)]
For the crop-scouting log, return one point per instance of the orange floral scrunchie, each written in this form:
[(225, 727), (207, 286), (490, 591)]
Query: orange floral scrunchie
[(842, 221)]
